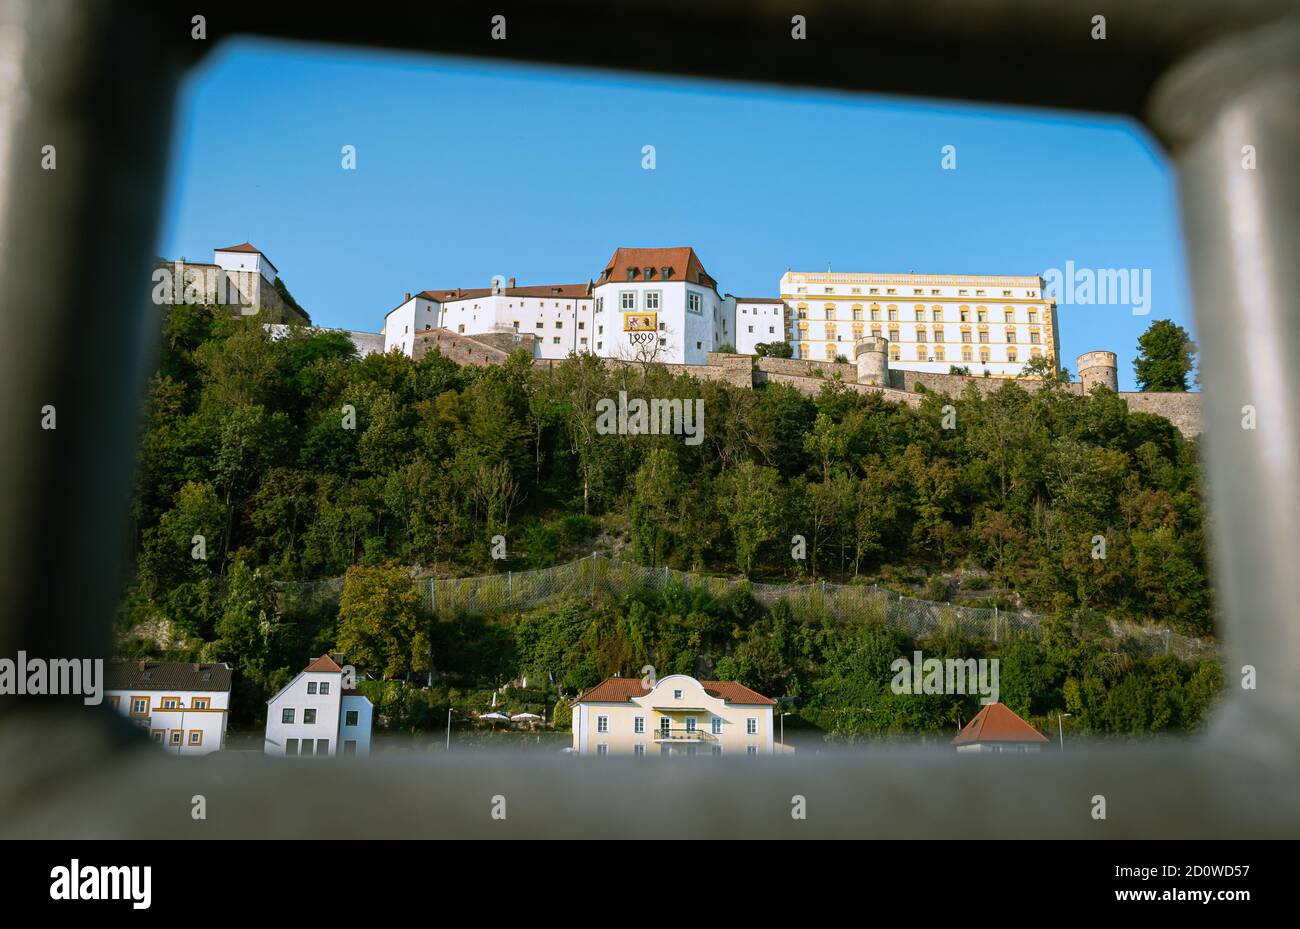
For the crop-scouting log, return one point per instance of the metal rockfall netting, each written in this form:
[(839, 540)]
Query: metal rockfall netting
[(599, 576)]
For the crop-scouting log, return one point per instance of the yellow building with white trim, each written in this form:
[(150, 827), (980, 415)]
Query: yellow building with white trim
[(932, 321), (675, 715)]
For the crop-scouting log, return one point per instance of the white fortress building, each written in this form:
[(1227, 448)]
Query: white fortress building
[(663, 295), (557, 315), (660, 304), (315, 715), (931, 321), (760, 320), (184, 707)]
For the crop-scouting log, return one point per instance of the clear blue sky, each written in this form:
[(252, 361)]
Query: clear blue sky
[(466, 170)]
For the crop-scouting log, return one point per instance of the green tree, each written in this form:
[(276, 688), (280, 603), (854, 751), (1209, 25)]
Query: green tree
[(1164, 359), (381, 626)]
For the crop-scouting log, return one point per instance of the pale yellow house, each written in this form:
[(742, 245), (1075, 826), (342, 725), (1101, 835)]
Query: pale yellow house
[(676, 715)]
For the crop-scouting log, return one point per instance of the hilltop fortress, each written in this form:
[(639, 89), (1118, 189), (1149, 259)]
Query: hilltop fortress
[(894, 334)]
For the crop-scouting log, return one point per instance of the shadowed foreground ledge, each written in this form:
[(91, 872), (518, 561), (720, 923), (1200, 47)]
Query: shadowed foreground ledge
[(134, 792)]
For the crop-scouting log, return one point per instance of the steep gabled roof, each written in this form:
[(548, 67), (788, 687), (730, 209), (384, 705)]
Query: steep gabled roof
[(323, 664), (997, 723)]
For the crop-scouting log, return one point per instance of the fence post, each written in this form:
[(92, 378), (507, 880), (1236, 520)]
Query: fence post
[(593, 577), (995, 623), (1166, 641), (433, 595), (510, 585)]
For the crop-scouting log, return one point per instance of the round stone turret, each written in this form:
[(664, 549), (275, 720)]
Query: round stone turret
[(1098, 368), (872, 357)]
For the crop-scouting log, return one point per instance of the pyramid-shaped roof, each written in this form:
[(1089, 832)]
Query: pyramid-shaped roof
[(997, 723)]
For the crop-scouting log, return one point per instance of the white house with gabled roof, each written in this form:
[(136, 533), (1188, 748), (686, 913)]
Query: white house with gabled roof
[(314, 714)]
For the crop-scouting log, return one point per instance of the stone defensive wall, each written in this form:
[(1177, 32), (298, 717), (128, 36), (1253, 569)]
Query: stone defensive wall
[(809, 377)]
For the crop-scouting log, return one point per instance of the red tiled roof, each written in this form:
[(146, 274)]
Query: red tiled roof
[(250, 248), (558, 291), (759, 300), (323, 664), (997, 723), (622, 689), (682, 264), (733, 692)]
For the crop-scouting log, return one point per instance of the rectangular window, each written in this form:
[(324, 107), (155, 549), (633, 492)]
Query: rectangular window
[(627, 299), (602, 724), (690, 723), (350, 747), (717, 749), (602, 749), (1033, 337), (965, 336), (695, 303), (196, 737), (751, 749), (176, 737), (308, 717), (664, 725), (139, 706), (984, 337), (639, 749), (717, 725), (322, 746), (324, 687), (201, 703), (638, 724), (1033, 316), (286, 715), (652, 300), (350, 719), (158, 735), (751, 725), (291, 746), (170, 703), (677, 694), (311, 687)]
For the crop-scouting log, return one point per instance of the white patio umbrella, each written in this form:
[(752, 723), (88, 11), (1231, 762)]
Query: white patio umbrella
[(495, 717), (519, 716)]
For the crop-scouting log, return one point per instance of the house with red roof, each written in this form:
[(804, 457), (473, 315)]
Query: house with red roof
[(675, 715), (319, 714), (997, 728)]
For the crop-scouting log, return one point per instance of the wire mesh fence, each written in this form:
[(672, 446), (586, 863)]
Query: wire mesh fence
[(598, 576)]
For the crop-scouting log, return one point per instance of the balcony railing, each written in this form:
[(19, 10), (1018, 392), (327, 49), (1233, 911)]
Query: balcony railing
[(684, 735)]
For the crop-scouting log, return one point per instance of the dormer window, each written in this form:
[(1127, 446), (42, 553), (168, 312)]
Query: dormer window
[(631, 274), (667, 272), (649, 273)]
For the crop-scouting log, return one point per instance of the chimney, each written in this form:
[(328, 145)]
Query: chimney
[(512, 283), (407, 298)]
